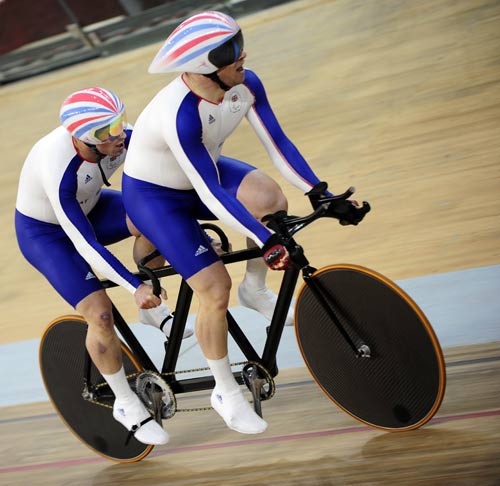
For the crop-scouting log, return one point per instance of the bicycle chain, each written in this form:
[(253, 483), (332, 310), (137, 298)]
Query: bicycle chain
[(170, 373)]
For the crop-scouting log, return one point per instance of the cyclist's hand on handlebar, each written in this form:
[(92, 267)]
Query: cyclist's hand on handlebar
[(145, 297), (348, 212), (339, 207), (275, 254), (351, 213)]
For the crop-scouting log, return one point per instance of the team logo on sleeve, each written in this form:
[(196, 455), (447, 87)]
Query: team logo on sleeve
[(234, 103)]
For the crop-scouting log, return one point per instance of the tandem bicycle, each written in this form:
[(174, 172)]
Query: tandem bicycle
[(365, 342)]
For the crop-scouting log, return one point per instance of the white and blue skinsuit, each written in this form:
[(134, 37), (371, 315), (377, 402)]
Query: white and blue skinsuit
[(64, 217), (175, 175)]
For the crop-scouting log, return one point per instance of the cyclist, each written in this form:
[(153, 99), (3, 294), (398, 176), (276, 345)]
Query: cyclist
[(64, 218), (175, 171)]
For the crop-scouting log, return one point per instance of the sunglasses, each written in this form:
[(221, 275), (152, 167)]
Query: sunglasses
[(113, 131)]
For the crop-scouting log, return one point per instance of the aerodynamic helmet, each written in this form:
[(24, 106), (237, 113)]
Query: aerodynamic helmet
[(201, 44), (93, 115)]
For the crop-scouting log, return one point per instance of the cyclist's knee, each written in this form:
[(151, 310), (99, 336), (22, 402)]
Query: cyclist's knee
[(216, 296), (271, 197), (213, 288), (101, 320), (271, 201), (97, 311)]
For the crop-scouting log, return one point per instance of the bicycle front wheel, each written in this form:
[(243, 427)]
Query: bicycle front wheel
[(400, 386), (65, 364)]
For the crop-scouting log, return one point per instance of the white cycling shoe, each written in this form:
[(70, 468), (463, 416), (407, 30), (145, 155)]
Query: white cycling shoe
[(263, 301), (237, 412), (134, 416), (161, 318)]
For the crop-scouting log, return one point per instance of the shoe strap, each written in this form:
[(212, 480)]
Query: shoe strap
[(135, 428), (162, 325)]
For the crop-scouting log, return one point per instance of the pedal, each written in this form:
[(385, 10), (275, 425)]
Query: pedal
[(260, 383), (156, 395)]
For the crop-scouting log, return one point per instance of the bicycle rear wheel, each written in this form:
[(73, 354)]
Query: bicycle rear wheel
[(401, 385), (63, 359)]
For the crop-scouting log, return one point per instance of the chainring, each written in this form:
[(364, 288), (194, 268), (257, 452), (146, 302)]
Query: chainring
[(156, 394), (256, 377)]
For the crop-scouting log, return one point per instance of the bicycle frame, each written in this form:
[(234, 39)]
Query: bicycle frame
[(285, 225), (172, 346)]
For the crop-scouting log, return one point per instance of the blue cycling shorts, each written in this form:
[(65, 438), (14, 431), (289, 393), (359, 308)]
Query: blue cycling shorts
[(169, 217), (47, 247)]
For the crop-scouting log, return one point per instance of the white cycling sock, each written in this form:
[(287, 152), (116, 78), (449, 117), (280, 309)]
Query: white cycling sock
[(119, 384), (255, 275), (224, 379)]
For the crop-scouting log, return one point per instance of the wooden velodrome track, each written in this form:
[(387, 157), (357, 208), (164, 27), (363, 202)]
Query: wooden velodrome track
[(400, 99)]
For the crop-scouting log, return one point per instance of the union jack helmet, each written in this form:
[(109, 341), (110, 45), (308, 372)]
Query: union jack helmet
[(201, 44), (93, 115)]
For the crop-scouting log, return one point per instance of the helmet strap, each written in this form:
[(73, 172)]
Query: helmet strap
[(93, 147), (99, 158), (215, 78)]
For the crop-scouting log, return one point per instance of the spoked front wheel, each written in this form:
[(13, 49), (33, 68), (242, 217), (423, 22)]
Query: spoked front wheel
[(369, 347), (65, 366)]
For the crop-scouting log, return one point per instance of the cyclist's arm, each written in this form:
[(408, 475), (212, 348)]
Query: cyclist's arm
[(283, 153), (185, 141), (60, 184)]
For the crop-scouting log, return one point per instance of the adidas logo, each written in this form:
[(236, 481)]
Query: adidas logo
[(201, 249), (88, 178), (90, 276), (211, 119)]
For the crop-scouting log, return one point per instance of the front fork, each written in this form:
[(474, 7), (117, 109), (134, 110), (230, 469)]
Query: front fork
[(339, 318)]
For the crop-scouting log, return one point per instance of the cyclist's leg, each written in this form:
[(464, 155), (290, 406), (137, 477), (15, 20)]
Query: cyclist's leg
[(104, 349), (102, 342), (47, 247), (143, 247), (245, 182), (186, 247), (212, 285)]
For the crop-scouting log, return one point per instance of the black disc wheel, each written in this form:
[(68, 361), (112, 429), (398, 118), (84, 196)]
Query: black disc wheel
[(370, 348), (64, 363)]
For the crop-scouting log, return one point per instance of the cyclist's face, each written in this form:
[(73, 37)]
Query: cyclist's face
[(234, 73), (113, 147)]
